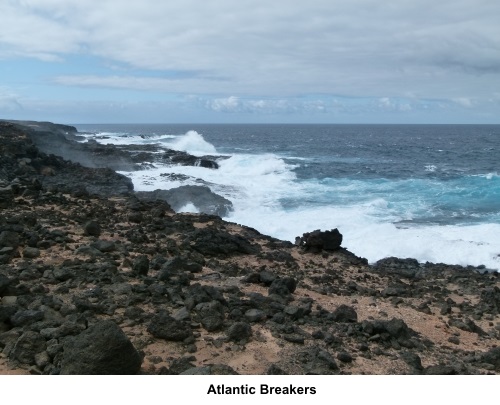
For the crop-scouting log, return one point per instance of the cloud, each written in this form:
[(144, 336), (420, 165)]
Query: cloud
[(464, 102), (233, 104), (256, 56), (342, 47)]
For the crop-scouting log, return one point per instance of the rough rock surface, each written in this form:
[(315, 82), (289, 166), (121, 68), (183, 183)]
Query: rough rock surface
[(203, 199), (101, 349)]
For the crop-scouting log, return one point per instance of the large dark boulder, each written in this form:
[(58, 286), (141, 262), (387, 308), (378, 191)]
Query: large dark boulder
[(283, 286), (317, 240), (205, 201), (407, 268), (164, 326), (6, 197), (239, 331), (211, 315), (140, 265), (9, 239), (101, 349), (213, 242), (394, 329), (4, 283), (345, 313), (28, 345), (317, 361)]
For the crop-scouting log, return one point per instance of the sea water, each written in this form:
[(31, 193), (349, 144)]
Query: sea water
[(431, 192)]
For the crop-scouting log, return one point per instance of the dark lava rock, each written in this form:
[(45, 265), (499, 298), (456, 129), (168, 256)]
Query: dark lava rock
[(214, 369), (31, 252), (317, 240), (413, 360), (283, 286), (140, 265), (275, 370), (178, 264), (197, 293), (205, 201), (316, 361), (27, 347), (26, 317), (294, 338), (344, 313), (407, 268), (239, 331), (467, 325), (6, 197), (266, 277), (211, 315), (104, 246), (492, 357), (212, 242), (92, 228), (255, 315), (165, 327), (101, 349), (490, 300), (9, 239), (396, 328), (441, 369), (344, 357), (4, 283), (6, 311)]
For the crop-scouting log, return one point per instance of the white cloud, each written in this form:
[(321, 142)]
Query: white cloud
[(229, 104), (464, 102), (263, 52), (233, 104)]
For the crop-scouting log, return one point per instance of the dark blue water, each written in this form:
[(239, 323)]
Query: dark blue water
[(441, 178)]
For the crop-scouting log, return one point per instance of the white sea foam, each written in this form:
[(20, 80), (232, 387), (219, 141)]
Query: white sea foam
[(193, 143), (258, 185), (122, 138), (189, 208)]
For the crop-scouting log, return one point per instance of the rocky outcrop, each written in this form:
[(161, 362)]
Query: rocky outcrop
[(201, 197), (62, 140), (317, 240), (25, 169)]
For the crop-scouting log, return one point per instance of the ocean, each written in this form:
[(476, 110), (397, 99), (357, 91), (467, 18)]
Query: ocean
[(430, 192)]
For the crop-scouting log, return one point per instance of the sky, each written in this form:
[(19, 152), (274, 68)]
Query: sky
[(250, 61)]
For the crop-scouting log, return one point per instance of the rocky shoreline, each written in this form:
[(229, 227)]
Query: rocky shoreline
[(98, 279)]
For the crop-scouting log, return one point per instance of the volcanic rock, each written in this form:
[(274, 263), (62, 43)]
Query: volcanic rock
[(165, 327), (101, 349), (317, 240)]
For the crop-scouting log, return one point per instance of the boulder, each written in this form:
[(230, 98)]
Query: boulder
[(28, 345), (211, 315), (164, 326), (239, 331), (9, 239), (92, 228), (101, 349), (317, 240), (283, 286), (31, 252), (344, 313), (140, 266)]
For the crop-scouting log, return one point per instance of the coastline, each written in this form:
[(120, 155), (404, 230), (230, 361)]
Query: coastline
[(80, 248)]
